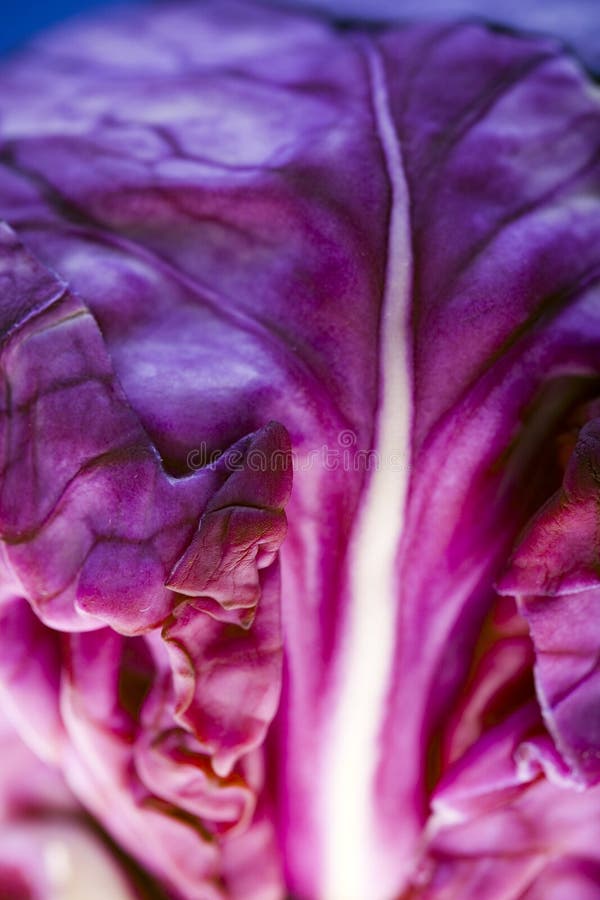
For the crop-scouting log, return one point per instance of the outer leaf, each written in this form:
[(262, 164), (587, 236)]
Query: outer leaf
[(555, 574), (94, 543), (47, 846)]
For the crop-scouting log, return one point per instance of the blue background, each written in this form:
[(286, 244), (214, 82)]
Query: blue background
[(21, 18)]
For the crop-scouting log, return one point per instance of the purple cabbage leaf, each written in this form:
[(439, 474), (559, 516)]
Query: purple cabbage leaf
[(299, 496)]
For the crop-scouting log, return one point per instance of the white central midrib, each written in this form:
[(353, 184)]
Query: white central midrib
[(353, 859)]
